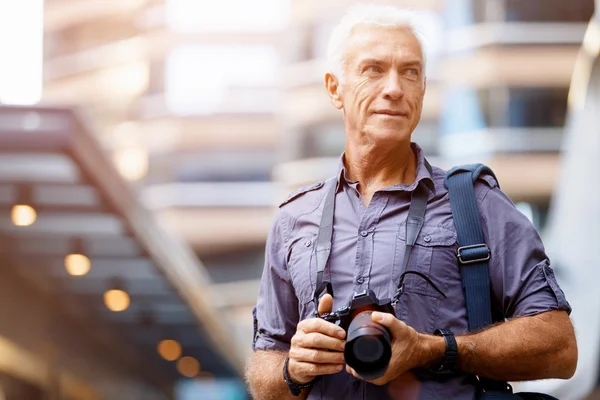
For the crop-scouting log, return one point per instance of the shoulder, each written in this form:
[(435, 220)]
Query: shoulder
[(306, 195), (486, 179), (484, 183)]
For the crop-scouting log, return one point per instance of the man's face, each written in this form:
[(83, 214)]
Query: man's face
[(382, 93)]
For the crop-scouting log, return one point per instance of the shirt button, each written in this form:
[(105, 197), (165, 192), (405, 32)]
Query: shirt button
[(360, 280), (427, 239), (364, 233), (308, 243)]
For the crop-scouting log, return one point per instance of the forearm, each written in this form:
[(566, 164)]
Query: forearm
[(528, 348), (264, 376)]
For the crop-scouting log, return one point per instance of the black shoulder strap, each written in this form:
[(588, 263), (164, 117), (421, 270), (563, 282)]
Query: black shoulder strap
[(323, 245), (473, 253)]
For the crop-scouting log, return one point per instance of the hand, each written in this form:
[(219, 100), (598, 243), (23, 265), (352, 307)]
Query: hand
[(405, 348), (317, 348)]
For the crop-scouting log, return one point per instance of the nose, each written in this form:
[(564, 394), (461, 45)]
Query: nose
[(393, 87)]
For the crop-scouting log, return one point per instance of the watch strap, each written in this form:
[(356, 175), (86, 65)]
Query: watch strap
[(295, 388), (450, 362)]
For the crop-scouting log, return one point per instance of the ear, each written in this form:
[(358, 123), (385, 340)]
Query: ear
[(332, 86)]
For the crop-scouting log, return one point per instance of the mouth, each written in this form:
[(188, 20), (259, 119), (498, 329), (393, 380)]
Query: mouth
[(392, 113)]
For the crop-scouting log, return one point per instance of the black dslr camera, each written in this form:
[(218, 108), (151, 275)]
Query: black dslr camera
[(368, 345)]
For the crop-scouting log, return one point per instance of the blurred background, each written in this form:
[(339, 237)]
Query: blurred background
[(145, 146)]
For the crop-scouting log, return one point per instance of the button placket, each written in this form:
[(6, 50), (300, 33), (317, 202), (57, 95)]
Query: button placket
[(364, 248)]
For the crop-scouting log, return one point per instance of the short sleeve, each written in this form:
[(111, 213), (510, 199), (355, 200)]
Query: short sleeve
[(522, 280), (276, 313)]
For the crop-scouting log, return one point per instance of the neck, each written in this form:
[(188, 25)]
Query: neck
[(376, 168)]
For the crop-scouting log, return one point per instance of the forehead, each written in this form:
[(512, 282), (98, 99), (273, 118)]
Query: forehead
[(366, 41)]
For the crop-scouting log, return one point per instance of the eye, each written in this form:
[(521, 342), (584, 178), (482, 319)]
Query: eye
[(412, 72), (374, 69)]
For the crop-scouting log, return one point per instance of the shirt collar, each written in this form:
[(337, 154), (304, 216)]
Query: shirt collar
[(423, 173)]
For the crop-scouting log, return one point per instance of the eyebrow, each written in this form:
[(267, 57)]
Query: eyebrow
[(413, 63), (370, 61), (374, 61)]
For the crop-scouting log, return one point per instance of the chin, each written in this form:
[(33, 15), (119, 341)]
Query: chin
[(389, 137)]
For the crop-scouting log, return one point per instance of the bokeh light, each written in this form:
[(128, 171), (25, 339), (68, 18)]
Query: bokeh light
[(23, 215), (77, 264)]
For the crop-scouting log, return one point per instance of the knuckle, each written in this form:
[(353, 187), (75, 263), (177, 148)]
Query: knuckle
[(298, 339), (311, 340), (293, 353)]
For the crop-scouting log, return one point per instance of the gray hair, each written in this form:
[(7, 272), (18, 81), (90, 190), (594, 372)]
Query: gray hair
[(368, 14)]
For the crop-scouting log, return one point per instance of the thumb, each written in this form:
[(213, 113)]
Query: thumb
[(325, 304), (385, 319)]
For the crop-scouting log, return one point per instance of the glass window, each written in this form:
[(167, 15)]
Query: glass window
[(462, 13), (226, 167), (549, 10), (461, 111), (537, 107), (204, 80), (218, 166), (227, 15), (523, 107)]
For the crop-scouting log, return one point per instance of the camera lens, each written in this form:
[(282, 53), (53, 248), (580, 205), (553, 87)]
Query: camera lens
[(368, 347)]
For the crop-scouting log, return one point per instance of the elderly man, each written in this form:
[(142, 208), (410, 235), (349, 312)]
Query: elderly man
[(377, 78)]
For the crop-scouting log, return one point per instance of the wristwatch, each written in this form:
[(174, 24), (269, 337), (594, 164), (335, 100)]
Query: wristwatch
[(295, 388), (449, 364)]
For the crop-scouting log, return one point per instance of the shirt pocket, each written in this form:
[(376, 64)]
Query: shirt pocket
[(433, 255), (302, 269)]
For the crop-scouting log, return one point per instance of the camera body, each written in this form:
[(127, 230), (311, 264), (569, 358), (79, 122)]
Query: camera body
[(368, 345)]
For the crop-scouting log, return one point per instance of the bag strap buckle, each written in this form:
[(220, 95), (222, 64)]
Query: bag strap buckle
[(473, 254)]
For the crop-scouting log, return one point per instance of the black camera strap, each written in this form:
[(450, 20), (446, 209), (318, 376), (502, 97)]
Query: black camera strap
[(414, 223)]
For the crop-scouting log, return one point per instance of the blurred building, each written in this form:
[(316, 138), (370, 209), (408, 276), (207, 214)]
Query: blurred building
[(186, 115), (183, 95), (507, 71)]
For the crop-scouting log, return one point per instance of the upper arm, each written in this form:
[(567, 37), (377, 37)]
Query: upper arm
[(276, 312), (522, 281)]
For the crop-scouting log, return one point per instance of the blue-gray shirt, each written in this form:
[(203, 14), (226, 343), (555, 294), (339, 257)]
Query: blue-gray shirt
[(367, 250)]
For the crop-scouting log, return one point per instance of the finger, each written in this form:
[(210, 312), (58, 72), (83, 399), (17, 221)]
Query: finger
[(379, 381), (352, 372), (321, 326), (325, 304), (387, 320), (316, 356), (316, 340), (312, 370)]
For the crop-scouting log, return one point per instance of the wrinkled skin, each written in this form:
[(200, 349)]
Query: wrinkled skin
[(383, 86)]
